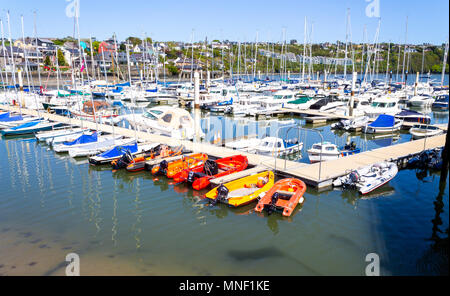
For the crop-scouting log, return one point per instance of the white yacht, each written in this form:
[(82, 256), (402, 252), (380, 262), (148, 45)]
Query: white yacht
[(165, 120), (383, 105)]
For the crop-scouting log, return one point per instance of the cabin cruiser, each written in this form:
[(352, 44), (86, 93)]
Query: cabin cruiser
[(328, 151), (383, 105), (102, 111), (421, 101), (301, 103), (359, 108), (165, 120), (327, 105), (441, 102), (413, 116), (278, 147)]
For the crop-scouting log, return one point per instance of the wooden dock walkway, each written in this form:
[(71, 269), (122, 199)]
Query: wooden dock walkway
[(309, 173), (333, 169)]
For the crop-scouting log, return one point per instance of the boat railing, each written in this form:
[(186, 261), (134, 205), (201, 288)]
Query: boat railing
[(299, 129)]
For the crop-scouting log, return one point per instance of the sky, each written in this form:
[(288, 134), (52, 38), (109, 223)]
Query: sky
[(237, 20)]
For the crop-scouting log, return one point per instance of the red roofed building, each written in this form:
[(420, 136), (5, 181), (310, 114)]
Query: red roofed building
[(104, 46)]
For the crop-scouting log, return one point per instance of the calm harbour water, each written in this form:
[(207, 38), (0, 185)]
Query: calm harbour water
[(134, 224)]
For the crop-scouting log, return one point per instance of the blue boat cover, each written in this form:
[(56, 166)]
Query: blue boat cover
[(4, 115), (119, 151), (83, 139), (25, 125), (383, 120), (225, 103), (12, 118)]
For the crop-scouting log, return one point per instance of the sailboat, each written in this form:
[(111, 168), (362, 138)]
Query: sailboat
[(30, 127)]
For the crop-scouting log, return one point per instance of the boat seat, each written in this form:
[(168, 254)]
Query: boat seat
[(286, 195), (242, 192)]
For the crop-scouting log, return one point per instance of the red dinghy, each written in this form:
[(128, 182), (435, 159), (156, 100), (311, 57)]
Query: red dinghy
[(284, 195), (200, 176)]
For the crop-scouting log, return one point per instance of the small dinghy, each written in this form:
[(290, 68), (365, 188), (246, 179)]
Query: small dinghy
[(49, 135), (8, 121), (419, 131), (30, 128), (119, 151), (199, 177), (284, 196), (431, 159), (79, 141), (104, 144), (351, 124), (368, 178), (383, 124), (134, 163), (242, 191), (68, 138), (170, 169)]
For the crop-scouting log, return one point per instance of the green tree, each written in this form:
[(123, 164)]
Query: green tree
[(95, 46), (172, 69), (134, 40), (61, 59), (47, 61)]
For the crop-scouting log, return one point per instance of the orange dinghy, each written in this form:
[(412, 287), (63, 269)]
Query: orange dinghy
[(170, 169), (199, 177), (284, 195)]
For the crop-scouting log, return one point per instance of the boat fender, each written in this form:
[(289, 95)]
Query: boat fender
[(301, 200)]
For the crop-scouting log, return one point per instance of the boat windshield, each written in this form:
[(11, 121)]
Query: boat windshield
[(150, 116)]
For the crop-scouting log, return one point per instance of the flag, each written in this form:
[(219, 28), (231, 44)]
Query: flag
[(82, 67)]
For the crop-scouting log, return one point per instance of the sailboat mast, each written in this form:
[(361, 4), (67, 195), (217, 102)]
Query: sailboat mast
[(404, 52), (35, 37), (346, 43), (444, 63)]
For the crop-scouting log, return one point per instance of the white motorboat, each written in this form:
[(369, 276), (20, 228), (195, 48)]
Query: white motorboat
[(30, 128), (68, 138), (99, 146), (351, 124), (48, 135), (419, 131), (165, 120), (247, 145), (421, 101), (328, 151), (383, 124), (368, 178), (83, 141), (383, 105), (278, 147)]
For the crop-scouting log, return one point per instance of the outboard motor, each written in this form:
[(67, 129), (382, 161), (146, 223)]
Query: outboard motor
[(222, 193), (211, 167), (123, 161), (272, 206), (163, 168), (191, 177)]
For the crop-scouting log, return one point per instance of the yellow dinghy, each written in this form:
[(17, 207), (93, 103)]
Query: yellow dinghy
[(242, 191)]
